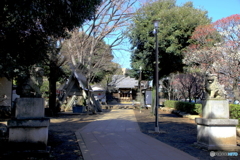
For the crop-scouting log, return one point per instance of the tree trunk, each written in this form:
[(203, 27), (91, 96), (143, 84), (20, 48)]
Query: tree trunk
[(52, 90), (236, 90), (189, 95)]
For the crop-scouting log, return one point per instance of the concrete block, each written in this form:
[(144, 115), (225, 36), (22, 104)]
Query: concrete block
[(31, 136), (29, 108), (41, 122), (217, 122), (216, 109), (217, 134)]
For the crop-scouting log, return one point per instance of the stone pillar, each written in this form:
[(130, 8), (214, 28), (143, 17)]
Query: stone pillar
[(215, 109), (29, 129)]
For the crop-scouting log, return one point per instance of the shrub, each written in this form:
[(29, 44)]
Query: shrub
[(193, 108), (187, 107), (170, 104), (198, 108), (234, 112)]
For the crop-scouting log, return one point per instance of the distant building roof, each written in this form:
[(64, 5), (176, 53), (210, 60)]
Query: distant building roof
[(120, 81)]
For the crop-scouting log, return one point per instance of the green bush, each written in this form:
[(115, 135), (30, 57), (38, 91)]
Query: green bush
[(193, 108), (234, 112), (170, 104), (188, 107), (198, 108)]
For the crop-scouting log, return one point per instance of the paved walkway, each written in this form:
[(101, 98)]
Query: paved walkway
[(116, 136)]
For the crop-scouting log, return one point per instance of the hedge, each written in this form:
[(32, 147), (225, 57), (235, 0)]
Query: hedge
[(234, 112), (192, 108), (188, 107), (170, 104)]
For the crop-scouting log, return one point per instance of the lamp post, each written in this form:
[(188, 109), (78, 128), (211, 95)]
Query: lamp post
[(140, 88), (156, 22)]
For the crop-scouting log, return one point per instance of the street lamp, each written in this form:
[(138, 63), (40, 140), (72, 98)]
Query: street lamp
[(156, 22), (140, 88)]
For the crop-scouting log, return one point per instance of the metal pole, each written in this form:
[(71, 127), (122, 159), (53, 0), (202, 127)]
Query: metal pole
[(140, 88), (157, 84)]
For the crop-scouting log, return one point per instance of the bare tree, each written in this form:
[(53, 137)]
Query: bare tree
[(216, 50), (230, 65), (107, 25), (168, 85), (189, 85)]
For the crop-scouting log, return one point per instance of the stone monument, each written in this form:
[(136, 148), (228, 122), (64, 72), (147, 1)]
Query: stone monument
[(215, 130), (29, 86), (28, 129)]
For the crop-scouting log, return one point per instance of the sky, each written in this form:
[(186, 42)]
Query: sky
[(217, 9)]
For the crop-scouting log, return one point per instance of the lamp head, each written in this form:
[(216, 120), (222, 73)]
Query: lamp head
[(155, 23)]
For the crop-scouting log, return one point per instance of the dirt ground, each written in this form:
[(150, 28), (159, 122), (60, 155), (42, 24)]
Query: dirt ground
[(61, 138), (176, 131)]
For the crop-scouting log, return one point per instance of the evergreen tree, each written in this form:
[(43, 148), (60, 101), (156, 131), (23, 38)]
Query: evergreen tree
[(27, 26), (176, 26)]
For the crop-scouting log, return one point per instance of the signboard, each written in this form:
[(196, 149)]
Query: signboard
[(148, 97)]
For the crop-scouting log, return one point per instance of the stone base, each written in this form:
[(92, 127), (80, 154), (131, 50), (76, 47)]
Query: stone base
[(217, 148), (217, 134), (29, 133), (13, 153)]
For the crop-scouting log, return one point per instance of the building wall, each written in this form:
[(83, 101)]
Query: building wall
[(125, 94), (99, 95)]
